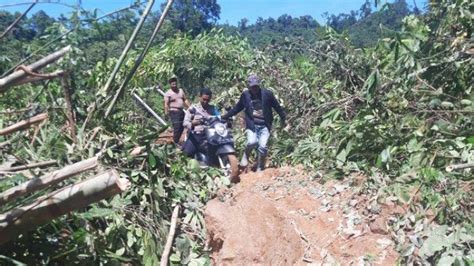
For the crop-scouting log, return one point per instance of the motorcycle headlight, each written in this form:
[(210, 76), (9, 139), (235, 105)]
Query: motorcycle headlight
[(221, 130)]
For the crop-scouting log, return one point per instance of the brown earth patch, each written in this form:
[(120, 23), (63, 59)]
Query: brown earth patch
[(285, 217)]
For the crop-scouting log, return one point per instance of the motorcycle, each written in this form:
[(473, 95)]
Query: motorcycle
[(218, 147)]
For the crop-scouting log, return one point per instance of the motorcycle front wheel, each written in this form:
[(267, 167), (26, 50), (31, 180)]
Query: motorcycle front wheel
[(234, 168)]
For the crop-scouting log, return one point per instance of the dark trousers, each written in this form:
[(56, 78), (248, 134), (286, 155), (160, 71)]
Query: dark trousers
[(193, 143), (177, 118)]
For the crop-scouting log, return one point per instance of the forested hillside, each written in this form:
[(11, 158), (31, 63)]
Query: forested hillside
[(384, 93)]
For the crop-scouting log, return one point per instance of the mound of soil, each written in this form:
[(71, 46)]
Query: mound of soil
[(285, 216)]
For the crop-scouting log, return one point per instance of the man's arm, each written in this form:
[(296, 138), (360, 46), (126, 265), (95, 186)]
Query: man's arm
[(166, 107), (276, 105), (187, 104), (236, 109), (188, 118)]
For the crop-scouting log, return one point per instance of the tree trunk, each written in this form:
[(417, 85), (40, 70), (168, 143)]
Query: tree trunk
[(59, 202), (70, 111), (24, 124), (11, 79), (47, 180)]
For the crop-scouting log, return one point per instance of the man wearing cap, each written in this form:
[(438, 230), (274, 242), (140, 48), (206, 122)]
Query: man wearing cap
[(258, 104), (175, 101)]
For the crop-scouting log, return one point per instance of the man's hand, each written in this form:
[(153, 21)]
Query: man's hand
[(196, 122)]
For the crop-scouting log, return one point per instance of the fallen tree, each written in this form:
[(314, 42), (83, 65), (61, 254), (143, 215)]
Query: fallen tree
[(24, 124), (47, 180), (20, 74), (59, 202)]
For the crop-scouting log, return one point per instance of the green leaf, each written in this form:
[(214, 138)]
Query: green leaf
[(470, 140), (151, 161), (446, 260), (435, 242), (385, 155), (175, 258), (120, 252)]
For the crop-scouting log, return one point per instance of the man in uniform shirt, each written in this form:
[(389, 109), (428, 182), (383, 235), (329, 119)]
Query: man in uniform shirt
[(175, 102), (258, 104)]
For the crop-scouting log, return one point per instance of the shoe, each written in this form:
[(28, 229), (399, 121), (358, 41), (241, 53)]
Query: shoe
[(261, 162)]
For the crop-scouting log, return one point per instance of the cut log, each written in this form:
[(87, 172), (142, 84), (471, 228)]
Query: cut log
[(47, 180), (169, 241), (24, 124), (59, 202), (29, 166), (11, 79)]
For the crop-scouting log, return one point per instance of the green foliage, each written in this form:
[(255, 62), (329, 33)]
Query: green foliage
[(273, 33), (365, 27), (400, 112), (194, 16)]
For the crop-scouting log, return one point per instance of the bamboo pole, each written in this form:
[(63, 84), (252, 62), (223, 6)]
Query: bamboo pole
[(148, 108), (24, 124), (29, 166), (169, 241), (47, 180), (128, 46), (11, 79), (18, 19), (139, 59), (160, 91), (59, 202)]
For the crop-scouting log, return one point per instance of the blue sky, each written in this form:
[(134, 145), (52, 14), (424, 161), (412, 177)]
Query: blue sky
[(231, 10)]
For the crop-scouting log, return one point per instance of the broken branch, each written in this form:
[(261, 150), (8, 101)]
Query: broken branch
[(24, 124), (29, 166), (169, 240)]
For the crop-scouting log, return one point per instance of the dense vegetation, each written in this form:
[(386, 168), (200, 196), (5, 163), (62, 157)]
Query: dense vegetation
[(399, 111)]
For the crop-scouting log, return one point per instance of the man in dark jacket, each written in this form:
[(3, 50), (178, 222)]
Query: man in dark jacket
[(258, 104)]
